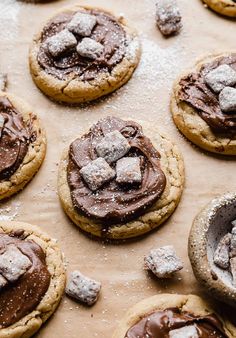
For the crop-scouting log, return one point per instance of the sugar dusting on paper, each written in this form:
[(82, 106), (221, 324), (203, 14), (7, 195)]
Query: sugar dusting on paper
[(9, 15)]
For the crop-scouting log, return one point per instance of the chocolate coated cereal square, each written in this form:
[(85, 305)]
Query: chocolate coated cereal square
[(113, 146), (128, 170), (82, 24), (221, 77), (168, 17), (90, 48), (233, 243), (227, 100), (13, 263), (163, 262), (61, 42), (189, 331), (83, 288), (221, 255), (96, 173)]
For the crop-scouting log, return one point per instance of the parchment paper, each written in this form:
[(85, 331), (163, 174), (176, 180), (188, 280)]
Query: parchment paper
[(145, 97)]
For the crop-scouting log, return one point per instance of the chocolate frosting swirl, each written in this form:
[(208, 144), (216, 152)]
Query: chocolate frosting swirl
[(114, 203), (22, 297), (195, 92), (107, 31), (15, 137), (160, 323)]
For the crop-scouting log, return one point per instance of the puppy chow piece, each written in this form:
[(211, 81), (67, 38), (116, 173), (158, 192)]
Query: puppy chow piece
[(233, 269), (61, 42), (184, 332), (168, 17), (221, 77), (163, 262), (3, 81), (13, 263), (90, 48), (227, 100), (128, 170), (233, 243), (221, 256), (82, 24), (96, 173), (3, 282), (113, 146), (83, 288)]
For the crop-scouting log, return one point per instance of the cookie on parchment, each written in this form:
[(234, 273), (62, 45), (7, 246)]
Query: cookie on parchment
[(224, 7), (177, 316), (203, 103), (117, 183), (22, 144), (83, 53), (32, 279)]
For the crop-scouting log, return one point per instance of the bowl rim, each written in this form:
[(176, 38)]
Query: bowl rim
[(198, 250)]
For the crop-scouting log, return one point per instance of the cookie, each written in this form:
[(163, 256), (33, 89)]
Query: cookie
[(19, 160), (212, 248), (127, 209), (224, 7), (83, 53), (177, 315), (199, 100), (31, 266)]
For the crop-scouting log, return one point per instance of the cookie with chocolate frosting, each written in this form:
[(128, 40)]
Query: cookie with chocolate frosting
[(116, 182), (224, 7), (83, 53), (32, 278), (203, 103), (174, 316), (22, 144)]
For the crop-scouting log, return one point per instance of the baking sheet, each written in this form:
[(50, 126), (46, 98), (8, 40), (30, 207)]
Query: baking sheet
[(145, 97)]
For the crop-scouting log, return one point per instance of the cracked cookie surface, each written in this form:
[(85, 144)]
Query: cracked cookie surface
[(172, 166), (31, 323), (192, 125), (34, 156), (186, 303), (73, 88), (224, 7)]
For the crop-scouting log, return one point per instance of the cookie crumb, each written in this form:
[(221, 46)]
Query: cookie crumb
[(168, 17), (83, 288), (3, 81), (163, 262)]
